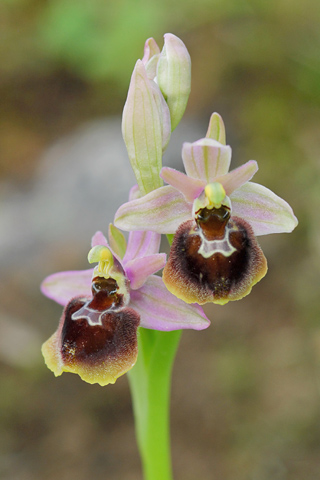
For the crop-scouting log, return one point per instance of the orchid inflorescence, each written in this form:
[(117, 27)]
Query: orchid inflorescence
[(215, 216)]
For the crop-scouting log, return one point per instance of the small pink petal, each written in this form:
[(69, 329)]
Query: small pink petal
[(63, 286), (160, 310), (141, 244), (162, 211), (134, 193), (206, 159), (99, 239), (263, 209), (188, 186), (139, 269), (237, 177)]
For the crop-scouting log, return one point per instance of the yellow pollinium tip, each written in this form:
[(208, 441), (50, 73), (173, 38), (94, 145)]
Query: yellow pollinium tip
[(103, 257), (215, 194)]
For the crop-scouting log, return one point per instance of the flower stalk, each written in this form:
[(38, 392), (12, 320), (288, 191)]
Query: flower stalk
[(150, 384)]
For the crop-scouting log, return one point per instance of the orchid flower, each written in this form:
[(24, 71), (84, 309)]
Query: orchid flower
[(215, 215), (97, 334)]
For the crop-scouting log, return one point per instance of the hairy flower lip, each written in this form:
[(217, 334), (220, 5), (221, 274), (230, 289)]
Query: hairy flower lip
[(98, 353), (220, 270)]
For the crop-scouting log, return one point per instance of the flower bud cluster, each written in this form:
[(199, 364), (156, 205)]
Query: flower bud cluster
[(157, 97)]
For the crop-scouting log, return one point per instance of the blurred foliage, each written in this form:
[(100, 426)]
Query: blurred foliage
[(100, 38), (256, 62)]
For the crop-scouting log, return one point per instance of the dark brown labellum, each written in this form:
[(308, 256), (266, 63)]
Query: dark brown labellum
[(99, 336), (215, 260), (95, 344)]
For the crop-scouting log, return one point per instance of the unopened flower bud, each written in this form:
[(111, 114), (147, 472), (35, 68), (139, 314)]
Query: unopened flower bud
[(142, 131), (174, 76), (151, 57)]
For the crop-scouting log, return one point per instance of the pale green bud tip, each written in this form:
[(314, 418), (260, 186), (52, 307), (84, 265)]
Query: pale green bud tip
[(174, 76), (215, 194), (216, 130), (150, 49)]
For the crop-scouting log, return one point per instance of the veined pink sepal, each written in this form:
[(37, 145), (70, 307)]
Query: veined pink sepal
[(161, 211), (264, 210), (216, 129), (206, 159), (239, 176)]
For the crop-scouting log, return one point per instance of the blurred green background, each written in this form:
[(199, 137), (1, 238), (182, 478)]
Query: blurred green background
[(245, 399)]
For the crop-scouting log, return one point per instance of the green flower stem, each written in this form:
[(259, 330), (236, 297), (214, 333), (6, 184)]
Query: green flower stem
[(150, 383)]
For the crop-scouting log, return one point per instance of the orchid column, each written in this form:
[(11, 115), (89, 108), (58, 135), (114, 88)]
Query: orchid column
[(157, 98)]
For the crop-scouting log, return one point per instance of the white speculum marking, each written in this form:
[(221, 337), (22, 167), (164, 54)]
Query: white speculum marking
[(93, 317), (223, 246)]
